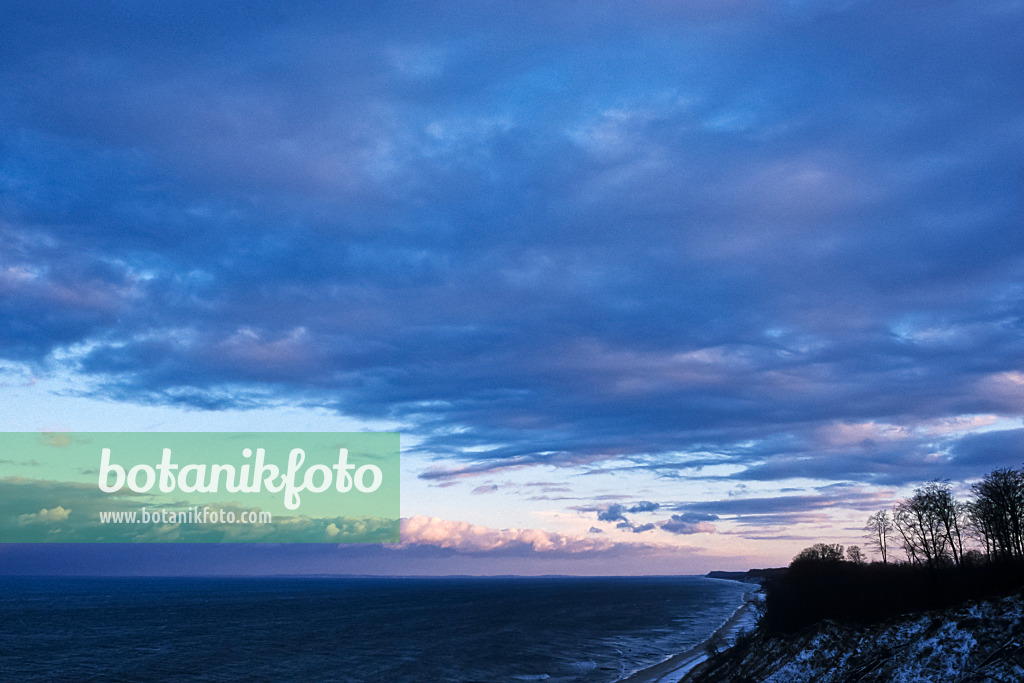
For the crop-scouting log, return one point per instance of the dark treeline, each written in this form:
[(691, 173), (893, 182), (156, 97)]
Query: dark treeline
[(952, 551)]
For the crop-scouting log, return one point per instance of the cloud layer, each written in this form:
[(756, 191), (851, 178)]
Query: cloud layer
[(472, 538), (782, 238)]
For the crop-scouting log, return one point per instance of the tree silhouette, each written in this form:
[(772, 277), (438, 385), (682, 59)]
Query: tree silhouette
[(879, 529), (930, 525), (821, 552), (997, 513)]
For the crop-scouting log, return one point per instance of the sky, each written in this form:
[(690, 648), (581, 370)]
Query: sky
[(646, 287)]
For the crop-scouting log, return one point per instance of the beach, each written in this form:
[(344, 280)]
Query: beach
[(675, 669)]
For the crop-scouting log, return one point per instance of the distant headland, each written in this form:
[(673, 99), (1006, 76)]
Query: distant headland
[(749, 576)]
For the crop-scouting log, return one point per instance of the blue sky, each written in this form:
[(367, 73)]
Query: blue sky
[(747, 270)]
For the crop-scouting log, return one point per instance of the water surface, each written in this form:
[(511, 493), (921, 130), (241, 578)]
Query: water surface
[(352, 629)]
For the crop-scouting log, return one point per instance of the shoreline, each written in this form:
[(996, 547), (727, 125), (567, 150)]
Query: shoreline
[(677, 667)]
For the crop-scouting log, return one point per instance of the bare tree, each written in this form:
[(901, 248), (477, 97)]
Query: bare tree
[(956, 523), (930, 524), (854, 554), (907, 524), (950, 513), (997, 513), (879, 529)]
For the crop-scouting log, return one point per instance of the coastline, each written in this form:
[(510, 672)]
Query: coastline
[(677, 667)]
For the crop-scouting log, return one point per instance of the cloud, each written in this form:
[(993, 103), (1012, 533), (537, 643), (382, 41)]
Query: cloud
[(781, 510), (694, 517), (983, 452), (613, 513), (471, 538), (535, 239), (616, 513), (77, 520), (55, 514), (689, 524)]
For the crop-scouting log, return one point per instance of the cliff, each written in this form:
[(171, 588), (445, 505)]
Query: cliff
[(978, 641), (749, 576)]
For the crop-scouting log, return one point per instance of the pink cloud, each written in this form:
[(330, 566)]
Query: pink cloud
[(466, 537)]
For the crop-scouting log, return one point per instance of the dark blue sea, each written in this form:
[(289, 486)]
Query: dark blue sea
[(352, 629)]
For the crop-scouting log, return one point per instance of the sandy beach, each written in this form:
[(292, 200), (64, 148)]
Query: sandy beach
[(674, 669)]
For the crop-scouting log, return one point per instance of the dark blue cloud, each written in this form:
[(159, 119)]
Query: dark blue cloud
[(990, 450), (690, 523), (614, 513), (673, 236), (775, 511)]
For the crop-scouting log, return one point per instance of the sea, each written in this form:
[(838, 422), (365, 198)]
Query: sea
[(285, 629)]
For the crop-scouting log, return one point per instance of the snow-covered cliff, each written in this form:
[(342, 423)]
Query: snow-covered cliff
[(979, 641)]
